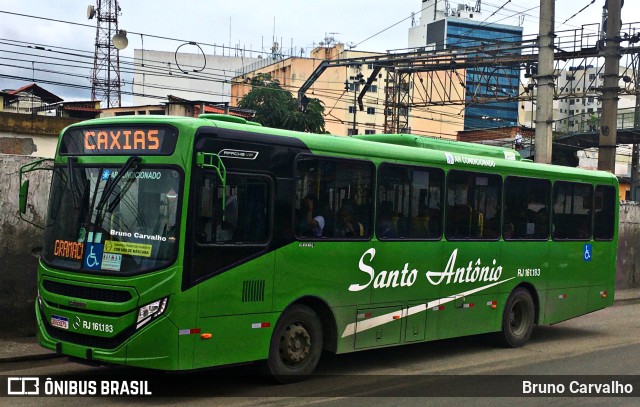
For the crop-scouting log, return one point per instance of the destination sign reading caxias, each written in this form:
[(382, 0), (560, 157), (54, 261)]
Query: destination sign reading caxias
[(148, 140)]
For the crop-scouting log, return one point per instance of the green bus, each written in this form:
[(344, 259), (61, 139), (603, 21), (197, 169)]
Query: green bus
[(179, 243)]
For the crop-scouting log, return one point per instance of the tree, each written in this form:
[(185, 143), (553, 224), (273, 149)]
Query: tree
[(276, 107)]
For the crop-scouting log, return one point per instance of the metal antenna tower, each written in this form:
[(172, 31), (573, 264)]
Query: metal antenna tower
[(105, 80)]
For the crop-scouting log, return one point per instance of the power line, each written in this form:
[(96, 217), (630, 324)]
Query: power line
[(581, 10), (224, 47)]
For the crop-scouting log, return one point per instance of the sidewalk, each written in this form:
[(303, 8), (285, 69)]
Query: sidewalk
[(22, 350), (27, 349)]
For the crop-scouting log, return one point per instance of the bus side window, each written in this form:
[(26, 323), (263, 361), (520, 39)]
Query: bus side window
[(333, 198), (473, 205), (604, 216), (572, 210), (409, 202), (526, 202), (243, 217)]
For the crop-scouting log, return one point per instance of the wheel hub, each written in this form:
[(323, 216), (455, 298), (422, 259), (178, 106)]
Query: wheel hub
[(295, 344), (516, 319)]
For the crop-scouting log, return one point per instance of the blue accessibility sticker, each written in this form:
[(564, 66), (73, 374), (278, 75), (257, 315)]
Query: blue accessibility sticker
[(93, 256), (587, 252)]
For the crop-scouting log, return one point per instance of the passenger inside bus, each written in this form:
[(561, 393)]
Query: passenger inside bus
[(385, 229), (346, 226), (312, 225)]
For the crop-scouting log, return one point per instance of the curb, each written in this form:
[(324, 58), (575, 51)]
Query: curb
[(30, 358)]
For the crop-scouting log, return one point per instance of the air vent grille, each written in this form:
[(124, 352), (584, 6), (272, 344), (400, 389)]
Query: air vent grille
[(253, 291)]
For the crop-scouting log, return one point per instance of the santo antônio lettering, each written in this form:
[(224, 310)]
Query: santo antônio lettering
[(406, 276), (121, 140)]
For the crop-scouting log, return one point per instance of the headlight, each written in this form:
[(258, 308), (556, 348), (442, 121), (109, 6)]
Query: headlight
[(150, 312)]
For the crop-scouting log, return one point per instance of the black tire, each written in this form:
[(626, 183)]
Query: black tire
[(518, 319), (296, 345)]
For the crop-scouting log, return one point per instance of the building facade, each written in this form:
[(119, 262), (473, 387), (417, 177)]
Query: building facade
[(579, 106), (31, 118), (443, 27), (185, 75), (337, 89)]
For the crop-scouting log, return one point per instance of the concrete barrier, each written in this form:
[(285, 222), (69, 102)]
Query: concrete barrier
[(628, 263), (20, 245)]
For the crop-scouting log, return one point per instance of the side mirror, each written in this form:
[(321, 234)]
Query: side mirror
[(24, 192)]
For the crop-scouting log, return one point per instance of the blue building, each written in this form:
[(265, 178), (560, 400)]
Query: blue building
[(442, 27)]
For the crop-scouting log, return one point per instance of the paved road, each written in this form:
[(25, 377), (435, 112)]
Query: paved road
[(603, 343)]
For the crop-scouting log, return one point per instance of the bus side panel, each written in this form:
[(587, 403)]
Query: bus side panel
[(400, 271), (473, 275), (326, 270), (603, 261), (602, 279), (565, 303), (468, 315), (244, 289), (345, 322), (599, 297), (528, 261), (567, 281), (230, 304), (330, 272), (234, 339)]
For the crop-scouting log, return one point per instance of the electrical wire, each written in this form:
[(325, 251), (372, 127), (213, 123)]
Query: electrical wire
[(581, 10), (337, 99)]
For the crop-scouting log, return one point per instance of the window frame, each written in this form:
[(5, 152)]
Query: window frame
[(615, 195), (553, 213), (411, 167), (499, 211), (549, 207), (371, 221), (270, 202)]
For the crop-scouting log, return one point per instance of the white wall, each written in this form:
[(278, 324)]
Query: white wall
[(212, 84)]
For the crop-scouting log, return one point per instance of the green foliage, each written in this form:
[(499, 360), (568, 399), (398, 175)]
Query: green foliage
[(276, 107)]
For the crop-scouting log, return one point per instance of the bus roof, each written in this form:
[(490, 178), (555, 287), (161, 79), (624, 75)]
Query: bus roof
[(432, 143), (405, 147)]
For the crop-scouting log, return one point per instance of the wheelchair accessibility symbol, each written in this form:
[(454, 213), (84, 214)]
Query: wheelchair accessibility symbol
[(93, 256), (587, 252)]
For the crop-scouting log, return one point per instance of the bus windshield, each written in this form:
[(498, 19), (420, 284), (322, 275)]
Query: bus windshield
[(100, 221)]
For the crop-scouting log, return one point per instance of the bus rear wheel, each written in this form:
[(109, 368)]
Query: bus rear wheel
[(296, 345), (518, 319)]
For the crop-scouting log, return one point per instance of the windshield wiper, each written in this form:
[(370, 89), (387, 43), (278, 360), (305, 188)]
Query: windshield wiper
[(112, 182), (72, 181), (109, 187)]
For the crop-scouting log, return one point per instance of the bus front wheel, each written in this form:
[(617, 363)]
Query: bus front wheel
[(296, 345), (518, 319)]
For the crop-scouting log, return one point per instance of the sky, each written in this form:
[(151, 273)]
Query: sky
[(372, 25)]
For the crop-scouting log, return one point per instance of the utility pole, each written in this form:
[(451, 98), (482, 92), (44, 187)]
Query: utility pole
[(354, 131), (610, 89), (356, 81), (636, 124), (545, 79)]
